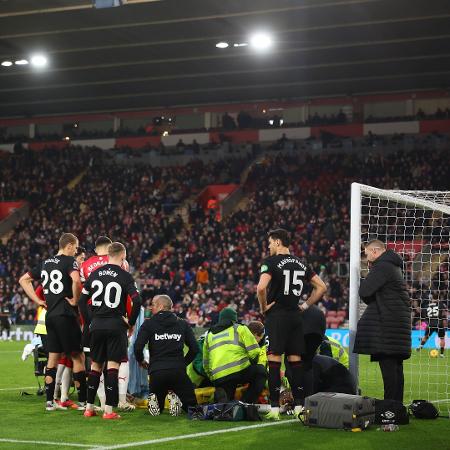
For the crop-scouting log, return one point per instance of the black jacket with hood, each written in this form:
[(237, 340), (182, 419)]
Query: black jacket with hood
[(385, 326), (166, 335)]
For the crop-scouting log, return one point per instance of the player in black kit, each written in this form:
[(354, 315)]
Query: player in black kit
[(108, 288), (435, 311), (60, 280), (279, 290)]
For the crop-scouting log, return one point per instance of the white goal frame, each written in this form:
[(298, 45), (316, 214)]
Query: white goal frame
[(357, 190)]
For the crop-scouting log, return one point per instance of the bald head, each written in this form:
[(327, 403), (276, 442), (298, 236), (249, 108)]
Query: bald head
[(161, 303), (374, 249)]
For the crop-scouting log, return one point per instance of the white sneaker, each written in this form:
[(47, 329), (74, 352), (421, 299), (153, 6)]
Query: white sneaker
[(53, 406), (441, 355), (174, 404), (125, 406), (153, 405)]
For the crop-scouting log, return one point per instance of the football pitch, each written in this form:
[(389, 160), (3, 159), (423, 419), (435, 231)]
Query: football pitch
[(25, 425)]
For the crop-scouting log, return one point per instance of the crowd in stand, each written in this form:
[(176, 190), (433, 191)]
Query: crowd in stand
[(216, 263), (131, 204), (210, 264)]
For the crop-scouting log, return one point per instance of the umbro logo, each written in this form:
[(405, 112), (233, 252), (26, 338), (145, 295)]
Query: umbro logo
[(389, 415)]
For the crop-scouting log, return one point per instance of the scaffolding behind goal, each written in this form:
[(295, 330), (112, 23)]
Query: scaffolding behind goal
[(416, 225)]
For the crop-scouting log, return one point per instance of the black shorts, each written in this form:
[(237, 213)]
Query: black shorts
[(440, 330), (63, 334), (285, 332), (108, 345)]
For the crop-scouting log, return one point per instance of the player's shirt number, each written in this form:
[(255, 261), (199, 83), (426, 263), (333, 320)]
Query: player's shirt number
[(292, 282), (111, 286), (54, 281)]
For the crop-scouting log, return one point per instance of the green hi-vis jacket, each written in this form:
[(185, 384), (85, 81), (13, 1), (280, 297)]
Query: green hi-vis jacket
[(332, 347), (229, 351)]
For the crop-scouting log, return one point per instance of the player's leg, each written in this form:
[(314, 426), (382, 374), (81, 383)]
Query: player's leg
[(59, 374), (98, 357), (54, 348), (50, 380), (66, 380), (424, 339), (71, 341), (441, 335), (116, 350), (298, 368), (124, 376), (277, 335)]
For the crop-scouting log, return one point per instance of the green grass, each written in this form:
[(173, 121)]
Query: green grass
[(24, 418)]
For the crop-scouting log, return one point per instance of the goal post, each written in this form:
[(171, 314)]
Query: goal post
[(416, 225)]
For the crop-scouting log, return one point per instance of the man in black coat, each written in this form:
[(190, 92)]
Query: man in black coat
[(384, 329), (166, 335)]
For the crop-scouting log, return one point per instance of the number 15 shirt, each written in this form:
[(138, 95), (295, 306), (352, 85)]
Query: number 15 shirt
[(289, 274)]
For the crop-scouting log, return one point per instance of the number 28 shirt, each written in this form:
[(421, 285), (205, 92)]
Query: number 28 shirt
[(289, 274), (54, 275)]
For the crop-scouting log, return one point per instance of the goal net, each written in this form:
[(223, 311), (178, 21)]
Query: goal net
[(415, 224)]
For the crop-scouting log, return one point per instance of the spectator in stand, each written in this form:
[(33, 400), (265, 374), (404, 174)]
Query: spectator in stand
[(228, 122)]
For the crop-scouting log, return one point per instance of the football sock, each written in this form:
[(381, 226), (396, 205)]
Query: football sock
[(80, 383), (92, 386), (297, 381), (124, 373), (50, 387), (274, 383), (442, 350), (112, 387), (65, 383), (101, 391), (58, 378)]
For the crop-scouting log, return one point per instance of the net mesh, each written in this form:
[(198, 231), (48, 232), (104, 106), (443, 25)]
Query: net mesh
[(416, 225)]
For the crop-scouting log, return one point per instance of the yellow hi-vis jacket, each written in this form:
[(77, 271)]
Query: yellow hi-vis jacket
[(40, 325), (338, 351), (229, 351)]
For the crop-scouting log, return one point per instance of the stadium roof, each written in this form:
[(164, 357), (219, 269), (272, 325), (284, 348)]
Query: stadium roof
[(151, 53)]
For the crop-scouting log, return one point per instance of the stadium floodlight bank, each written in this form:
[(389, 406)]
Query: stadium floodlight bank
[(415, 225)]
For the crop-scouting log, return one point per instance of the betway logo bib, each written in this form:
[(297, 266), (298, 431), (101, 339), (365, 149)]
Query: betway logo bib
[(167, 336)]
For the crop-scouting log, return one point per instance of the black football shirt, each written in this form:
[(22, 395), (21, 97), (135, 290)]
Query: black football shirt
[(108, 287), (289, 275), (54, 275)]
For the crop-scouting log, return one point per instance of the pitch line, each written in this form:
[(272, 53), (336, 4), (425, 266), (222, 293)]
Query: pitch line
[(17, 388), (194, 435), (65, 444)]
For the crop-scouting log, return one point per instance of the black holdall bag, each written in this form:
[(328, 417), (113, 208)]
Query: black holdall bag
[(422, 409), (389, 412)]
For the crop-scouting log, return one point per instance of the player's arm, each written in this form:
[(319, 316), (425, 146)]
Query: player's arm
[(76, 288), (26, 282), (133, 292), (141, 341), (192, 344), (261, 291), (83, 302), (318, 290)]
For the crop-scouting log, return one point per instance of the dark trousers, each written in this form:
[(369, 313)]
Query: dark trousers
[(255, 375), (176, 380), (393, 379)]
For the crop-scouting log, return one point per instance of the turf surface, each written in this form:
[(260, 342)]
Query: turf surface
[(23, 418)]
